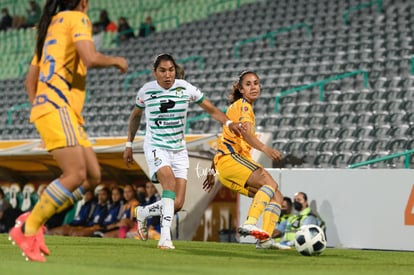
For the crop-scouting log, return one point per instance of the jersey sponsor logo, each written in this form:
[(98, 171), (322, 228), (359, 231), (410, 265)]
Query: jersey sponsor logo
[(80, 34), (160, 123), (165, 105)]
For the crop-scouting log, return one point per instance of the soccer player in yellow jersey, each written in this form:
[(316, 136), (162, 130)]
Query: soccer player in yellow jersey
[(55, 86), (238, 171)]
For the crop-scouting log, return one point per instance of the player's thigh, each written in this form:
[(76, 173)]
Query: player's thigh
[(92, 166), (234, 171), (261, 177)]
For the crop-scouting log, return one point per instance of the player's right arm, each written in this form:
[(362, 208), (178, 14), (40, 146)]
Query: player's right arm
[(31, 82), (94, 59), (134, 120)]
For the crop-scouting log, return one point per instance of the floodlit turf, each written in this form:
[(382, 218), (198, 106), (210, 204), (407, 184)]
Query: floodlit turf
[(79, 256)]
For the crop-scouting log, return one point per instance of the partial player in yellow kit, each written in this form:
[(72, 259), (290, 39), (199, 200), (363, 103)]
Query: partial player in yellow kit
[(55, 86)]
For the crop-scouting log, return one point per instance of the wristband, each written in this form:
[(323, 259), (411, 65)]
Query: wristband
[(128, 144), (228, 122)]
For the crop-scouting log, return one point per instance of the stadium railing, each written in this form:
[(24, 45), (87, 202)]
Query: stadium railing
[(321, 85), (406, 154), (360, 7), (270, 35)]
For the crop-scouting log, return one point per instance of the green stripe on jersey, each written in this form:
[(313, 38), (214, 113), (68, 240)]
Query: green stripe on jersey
[(169, 111), (166, 118), (175, 141)]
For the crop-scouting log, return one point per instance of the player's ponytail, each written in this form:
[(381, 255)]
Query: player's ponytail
[(48, 11)]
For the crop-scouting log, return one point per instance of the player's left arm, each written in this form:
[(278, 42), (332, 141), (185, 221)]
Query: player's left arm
[(252, 140)]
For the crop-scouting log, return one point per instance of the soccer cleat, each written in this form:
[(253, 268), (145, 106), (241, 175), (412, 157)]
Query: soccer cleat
[(271, 244), (253, 230), (166, 245), (141, 223), (28, 244), (40, 235)]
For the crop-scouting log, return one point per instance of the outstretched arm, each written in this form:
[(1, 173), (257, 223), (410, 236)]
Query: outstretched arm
[(94, 59), (252, 140)]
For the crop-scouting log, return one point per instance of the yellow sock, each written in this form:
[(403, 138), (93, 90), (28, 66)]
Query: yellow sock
[(52, 198), (77, 195), (271, 217), (260, 200)]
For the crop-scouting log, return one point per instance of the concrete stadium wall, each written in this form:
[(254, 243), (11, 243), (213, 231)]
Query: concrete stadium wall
[(363, 208)]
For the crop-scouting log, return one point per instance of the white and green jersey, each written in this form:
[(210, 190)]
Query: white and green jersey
[(166, 112)]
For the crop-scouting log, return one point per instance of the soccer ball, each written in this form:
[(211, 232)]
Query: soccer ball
[(310, 240)]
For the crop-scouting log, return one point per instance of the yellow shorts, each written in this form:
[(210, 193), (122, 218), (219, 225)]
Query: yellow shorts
[(60, 128), (234, 170)]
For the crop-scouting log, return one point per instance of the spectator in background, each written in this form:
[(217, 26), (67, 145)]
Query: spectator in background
[(98, 216), (105, 24), (97, 36), (153, 223), (4, 205), (303, 216), (146, 27), (127, 221), (6, 20), (115, 213), (125, 32), (285, 214), (81, 218), (33, 14)]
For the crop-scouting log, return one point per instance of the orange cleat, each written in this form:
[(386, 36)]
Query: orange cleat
[(28, 244), (40, 235)]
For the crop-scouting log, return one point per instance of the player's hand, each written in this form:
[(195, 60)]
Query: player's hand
[(236, 128), (210, 180), (128, 156), (273, 154), (122, 64)]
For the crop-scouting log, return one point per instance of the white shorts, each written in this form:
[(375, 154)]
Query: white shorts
[(158, 157)]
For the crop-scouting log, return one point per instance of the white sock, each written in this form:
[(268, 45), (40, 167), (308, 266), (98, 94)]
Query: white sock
[(153, 209), (167, 214)]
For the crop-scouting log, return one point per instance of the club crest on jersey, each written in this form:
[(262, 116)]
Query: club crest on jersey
[(179, 92), (244, 109)]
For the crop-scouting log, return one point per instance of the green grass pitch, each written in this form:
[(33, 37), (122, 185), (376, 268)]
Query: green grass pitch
[(73, 255)]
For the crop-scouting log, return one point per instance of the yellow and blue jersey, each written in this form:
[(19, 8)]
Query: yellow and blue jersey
[(62, 75), (229, 143)]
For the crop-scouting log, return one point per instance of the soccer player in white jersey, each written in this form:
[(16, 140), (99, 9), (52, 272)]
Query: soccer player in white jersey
[(166, 101)]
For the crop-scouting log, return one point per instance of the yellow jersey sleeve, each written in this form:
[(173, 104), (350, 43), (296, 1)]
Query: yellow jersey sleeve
[(239, 111)]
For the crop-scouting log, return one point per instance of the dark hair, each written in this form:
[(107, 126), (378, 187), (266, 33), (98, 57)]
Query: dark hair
[(163, 57), (305, 197), (120, 190), (49, 10), (180, 73), (235, 93), (288, 200)]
